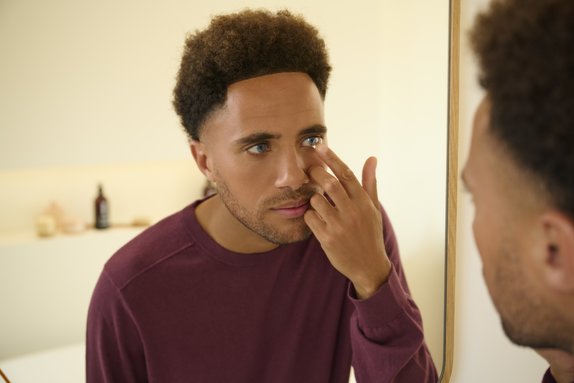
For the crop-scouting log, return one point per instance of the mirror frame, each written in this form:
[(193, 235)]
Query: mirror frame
[(452, 183)]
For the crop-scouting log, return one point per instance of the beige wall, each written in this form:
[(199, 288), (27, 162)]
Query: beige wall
[(482, 352), (85, 92)]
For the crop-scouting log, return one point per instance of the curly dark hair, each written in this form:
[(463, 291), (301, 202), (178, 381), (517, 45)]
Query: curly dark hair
[(525, 50), (239, 46)]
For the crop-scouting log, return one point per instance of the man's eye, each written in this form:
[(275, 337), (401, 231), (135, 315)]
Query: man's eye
[(258, 148), (312, 141)]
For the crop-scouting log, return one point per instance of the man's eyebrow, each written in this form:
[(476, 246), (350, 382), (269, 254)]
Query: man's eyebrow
[(315, 129), (255, 138)]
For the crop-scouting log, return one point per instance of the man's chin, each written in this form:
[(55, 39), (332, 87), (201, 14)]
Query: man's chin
[(299, 234), (527, 339)]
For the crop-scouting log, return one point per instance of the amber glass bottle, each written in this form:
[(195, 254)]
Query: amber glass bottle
[(102, 210)]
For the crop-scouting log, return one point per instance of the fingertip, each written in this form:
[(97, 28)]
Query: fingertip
[(370, 167), (374, 161), (370, 178), (322, 149)]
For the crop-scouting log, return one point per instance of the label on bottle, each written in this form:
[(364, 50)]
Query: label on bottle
[(102, 215)]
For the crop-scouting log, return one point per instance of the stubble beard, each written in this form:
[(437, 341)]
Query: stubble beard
[(256, 222), (526, 318)]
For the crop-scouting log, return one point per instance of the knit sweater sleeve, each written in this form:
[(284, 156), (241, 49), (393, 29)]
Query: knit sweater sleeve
[(114, 351), (386, 329)]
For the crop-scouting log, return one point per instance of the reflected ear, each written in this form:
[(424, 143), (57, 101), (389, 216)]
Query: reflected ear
[(200, 155), (559, 257)]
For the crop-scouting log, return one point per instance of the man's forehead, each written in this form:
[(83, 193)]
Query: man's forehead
[(483, 142), (285, 96), (268, 81), (490, 160), (478, 145), (482, 116)]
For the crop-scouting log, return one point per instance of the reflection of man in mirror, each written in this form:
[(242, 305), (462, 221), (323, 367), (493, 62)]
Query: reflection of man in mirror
[(268, 280), (520, 172)]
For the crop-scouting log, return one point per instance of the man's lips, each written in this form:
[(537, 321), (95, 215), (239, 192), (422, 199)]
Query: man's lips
[(292, 204), (292, 209)]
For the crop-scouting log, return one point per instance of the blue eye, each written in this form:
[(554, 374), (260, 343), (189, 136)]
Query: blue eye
[(312, 141), (258, 148)]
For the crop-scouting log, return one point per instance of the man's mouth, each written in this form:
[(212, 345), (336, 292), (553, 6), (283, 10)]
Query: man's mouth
[(294, 209)]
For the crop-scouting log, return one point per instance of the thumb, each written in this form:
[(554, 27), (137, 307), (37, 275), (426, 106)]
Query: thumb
[(370, 179)]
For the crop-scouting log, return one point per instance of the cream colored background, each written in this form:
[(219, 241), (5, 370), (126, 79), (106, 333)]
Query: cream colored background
[(85, 96)]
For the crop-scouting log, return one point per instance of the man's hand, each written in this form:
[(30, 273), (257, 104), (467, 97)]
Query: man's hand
[(350, 228), (561, 364)]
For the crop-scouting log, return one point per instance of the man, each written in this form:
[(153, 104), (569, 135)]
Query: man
[(520, 172), (287, 273)]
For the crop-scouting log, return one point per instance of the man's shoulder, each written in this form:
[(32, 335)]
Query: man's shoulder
[(156, 244)]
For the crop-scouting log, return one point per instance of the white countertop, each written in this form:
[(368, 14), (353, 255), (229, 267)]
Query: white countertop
[(62, 365)]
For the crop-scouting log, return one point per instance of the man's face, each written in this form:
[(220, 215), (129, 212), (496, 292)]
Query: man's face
[(259, 147), (507, 235)]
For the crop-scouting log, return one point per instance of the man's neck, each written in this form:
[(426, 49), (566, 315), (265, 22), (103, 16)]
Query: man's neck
[(227, 231)]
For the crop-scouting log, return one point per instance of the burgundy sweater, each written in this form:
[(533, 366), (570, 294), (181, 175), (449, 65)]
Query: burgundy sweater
[(174, 306)]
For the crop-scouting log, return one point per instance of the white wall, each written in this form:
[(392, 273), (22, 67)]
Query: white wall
[(46, 287), (85, 96), (482, 351)]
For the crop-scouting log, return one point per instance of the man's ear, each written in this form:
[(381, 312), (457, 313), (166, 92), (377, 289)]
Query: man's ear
[(200, 155), (559, 257)]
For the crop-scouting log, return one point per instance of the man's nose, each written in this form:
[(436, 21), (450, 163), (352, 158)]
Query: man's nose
[(292, 171)]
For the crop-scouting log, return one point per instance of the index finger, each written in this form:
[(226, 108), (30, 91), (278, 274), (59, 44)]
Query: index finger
[(345, 175)]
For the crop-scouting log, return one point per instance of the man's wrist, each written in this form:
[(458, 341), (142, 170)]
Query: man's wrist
[(369, 286)]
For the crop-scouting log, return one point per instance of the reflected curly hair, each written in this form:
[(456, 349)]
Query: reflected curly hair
[(525, 50), (239, 46)]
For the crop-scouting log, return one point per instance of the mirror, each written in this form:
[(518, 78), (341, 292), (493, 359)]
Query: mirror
[(87, 96)]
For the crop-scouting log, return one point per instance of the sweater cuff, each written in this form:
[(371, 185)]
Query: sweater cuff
[(384, 306)]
